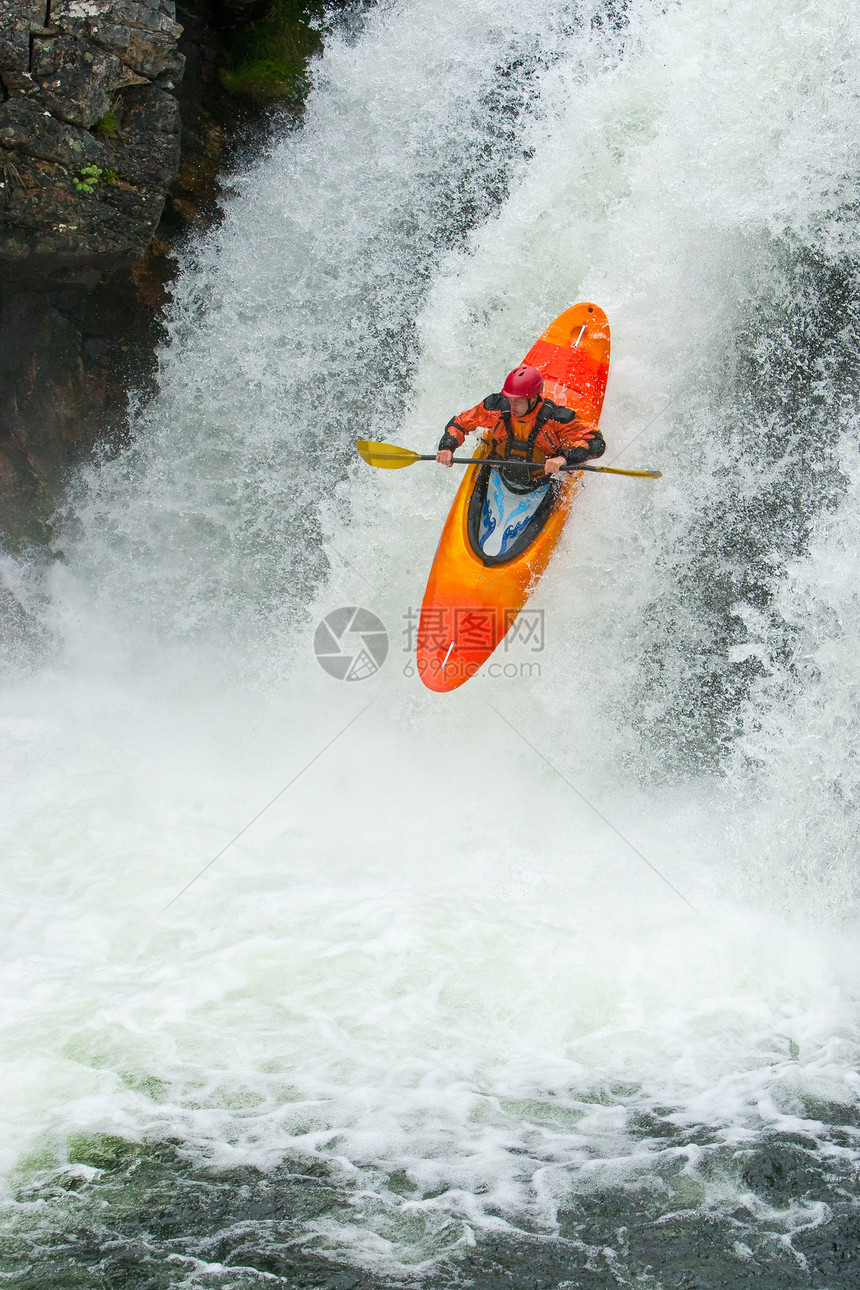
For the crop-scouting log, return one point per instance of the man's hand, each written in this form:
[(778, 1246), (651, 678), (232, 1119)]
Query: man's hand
[(551, 466), (445, 457)]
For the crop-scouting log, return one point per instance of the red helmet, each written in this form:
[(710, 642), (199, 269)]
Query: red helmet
[(523, 383)]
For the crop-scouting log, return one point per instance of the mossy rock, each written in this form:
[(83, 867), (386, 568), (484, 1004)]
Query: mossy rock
[(103, 1151), (267, 60)]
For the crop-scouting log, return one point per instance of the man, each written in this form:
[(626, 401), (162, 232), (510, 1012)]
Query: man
[(521, 423)]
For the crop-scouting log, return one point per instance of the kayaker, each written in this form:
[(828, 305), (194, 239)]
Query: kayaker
[(521, 423)]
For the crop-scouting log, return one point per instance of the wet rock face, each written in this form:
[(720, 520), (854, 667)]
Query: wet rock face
[(89, 128), (68, 354), (89, 146)]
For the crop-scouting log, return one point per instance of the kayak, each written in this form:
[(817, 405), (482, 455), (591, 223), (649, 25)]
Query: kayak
[(501, 533)]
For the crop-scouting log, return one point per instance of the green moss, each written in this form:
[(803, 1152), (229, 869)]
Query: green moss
[(267, 59), (108, 125)]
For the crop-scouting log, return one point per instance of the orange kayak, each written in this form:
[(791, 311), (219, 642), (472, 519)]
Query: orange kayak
[(498, 538)]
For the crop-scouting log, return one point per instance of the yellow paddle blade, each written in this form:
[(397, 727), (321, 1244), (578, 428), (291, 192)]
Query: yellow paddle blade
[(386, 456), (637, 474)]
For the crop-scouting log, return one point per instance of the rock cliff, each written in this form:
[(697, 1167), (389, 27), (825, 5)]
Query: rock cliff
[(89, 129), (89, 146)]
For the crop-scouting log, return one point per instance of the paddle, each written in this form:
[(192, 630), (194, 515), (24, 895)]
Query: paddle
[(387, 456)]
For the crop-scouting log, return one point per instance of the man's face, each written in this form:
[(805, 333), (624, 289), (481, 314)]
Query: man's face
[(519, 407)]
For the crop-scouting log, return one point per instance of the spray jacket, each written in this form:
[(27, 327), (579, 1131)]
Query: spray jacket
[(548, 430)]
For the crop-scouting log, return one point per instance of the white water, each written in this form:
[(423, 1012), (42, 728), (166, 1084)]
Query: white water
[(430, 953)]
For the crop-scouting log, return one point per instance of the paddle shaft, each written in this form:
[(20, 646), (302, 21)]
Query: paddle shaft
[(497, 465), (389, 457)]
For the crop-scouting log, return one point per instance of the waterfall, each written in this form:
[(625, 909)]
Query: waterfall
[(586, 928)]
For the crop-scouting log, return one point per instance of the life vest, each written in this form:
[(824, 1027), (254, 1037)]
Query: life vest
[(514, 447), (493, 416)]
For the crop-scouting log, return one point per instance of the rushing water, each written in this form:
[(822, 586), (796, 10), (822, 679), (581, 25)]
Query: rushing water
[(553, 980)]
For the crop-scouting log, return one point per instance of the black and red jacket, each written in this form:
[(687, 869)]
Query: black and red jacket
[(547, 429)]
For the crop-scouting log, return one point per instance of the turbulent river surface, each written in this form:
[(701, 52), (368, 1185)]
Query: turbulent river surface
[(552, 981)]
